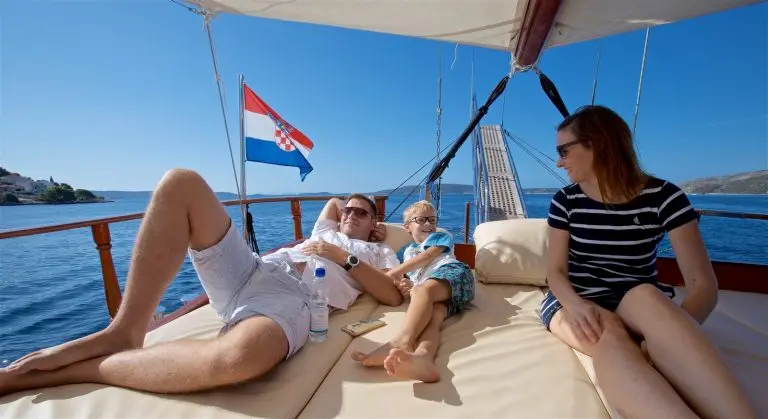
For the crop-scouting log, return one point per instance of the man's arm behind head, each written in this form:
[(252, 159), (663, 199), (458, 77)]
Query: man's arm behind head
[(332, 210)]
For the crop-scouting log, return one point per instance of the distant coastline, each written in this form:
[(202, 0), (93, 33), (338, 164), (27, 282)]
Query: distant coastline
[(742, 184), (746, 183), (23, 202), (16, 189)]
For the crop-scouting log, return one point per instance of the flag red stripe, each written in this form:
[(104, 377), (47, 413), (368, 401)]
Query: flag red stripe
[(253, 103)]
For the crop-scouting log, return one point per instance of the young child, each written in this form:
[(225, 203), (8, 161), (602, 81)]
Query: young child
[(439, 286)]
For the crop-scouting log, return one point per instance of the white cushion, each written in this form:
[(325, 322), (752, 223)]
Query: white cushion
[(512, 251), (397, 236)]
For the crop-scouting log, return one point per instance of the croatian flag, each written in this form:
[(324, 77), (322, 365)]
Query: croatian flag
[(270, 139)]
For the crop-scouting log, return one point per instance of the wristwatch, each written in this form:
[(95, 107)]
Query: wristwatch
[(352, 261)]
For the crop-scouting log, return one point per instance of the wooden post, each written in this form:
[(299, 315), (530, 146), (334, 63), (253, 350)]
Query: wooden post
[(103, 242), (296, 212), (466, 221), (381, 207)]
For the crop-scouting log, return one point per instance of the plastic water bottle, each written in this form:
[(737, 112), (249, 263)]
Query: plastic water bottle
[(318, 307)]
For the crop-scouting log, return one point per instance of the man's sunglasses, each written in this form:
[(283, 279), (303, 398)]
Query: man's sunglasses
[(562, 149), (422, 220), (359, 212)]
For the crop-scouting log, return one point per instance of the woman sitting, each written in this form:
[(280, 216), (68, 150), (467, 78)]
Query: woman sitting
[(605, 299)]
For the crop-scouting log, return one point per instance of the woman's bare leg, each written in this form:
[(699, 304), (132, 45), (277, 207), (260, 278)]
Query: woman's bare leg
[(630, 384), (682, 353)]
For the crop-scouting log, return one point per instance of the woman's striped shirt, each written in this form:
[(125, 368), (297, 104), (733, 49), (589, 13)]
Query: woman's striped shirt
[(613, 247)]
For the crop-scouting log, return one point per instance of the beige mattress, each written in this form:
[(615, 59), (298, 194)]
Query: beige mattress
[(496, 360), (281, 394)]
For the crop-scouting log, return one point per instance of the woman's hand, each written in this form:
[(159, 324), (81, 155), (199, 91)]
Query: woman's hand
[(585, 321)]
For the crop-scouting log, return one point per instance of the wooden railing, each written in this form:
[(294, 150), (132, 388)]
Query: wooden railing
[(102, 239)]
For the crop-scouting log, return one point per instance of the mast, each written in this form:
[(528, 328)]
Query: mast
[(243, 193)]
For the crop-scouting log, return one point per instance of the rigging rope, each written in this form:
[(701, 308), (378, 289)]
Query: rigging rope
[(195, 11), (440, 167), (248, 221), (597, 70), (417, 171), (512, 70), (417, 186), (547, 168), (443, 164), (531, 146), (439, 123), (207, 23), (522, 144), (640, 83)]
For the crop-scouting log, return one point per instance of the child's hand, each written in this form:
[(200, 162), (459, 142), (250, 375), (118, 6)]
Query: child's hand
[(405, 287)]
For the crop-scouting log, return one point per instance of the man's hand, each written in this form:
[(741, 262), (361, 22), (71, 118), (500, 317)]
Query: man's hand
[(379, 233), (326, 250)]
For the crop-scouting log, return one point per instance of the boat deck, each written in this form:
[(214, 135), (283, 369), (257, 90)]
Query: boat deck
[(499, 193)]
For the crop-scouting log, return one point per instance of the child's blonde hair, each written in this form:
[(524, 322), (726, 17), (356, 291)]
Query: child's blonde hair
[(417, 206)]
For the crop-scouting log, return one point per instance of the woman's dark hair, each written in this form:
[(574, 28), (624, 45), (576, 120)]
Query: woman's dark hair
[(615, 163)]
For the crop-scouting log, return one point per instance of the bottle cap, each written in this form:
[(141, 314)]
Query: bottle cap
[(320, 272)]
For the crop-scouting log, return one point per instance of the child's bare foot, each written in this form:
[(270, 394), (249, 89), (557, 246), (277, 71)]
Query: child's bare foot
[(101, 343), (377, 357), (411, 365)]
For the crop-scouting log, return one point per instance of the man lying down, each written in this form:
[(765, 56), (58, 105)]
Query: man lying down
[(262, 300)]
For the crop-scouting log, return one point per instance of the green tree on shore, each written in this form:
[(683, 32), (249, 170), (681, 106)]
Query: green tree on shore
[(57, 194), (84, 195), (4, 172)]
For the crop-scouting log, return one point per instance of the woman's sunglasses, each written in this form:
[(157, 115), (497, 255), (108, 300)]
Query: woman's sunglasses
[(562, 149)]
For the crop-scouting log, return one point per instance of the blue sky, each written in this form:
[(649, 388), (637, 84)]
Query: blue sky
[(109, 95)]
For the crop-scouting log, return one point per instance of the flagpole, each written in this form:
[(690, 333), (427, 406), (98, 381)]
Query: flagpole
[(243, 193)]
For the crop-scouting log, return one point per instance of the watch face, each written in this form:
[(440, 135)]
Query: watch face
[(353, 260)]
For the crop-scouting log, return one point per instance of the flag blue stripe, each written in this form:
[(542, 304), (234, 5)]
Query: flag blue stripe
[(268, 152)]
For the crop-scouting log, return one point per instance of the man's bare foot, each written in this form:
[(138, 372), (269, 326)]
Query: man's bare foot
[(101, 343), (5, 380), (415, 366), (377, 357), (5, 383)]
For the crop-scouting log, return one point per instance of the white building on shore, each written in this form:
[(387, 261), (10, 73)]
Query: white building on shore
[(15, 183)]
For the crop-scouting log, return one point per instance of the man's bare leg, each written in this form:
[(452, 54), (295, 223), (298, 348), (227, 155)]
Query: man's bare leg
[(183, 212), (249, 349), (419, 364)]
